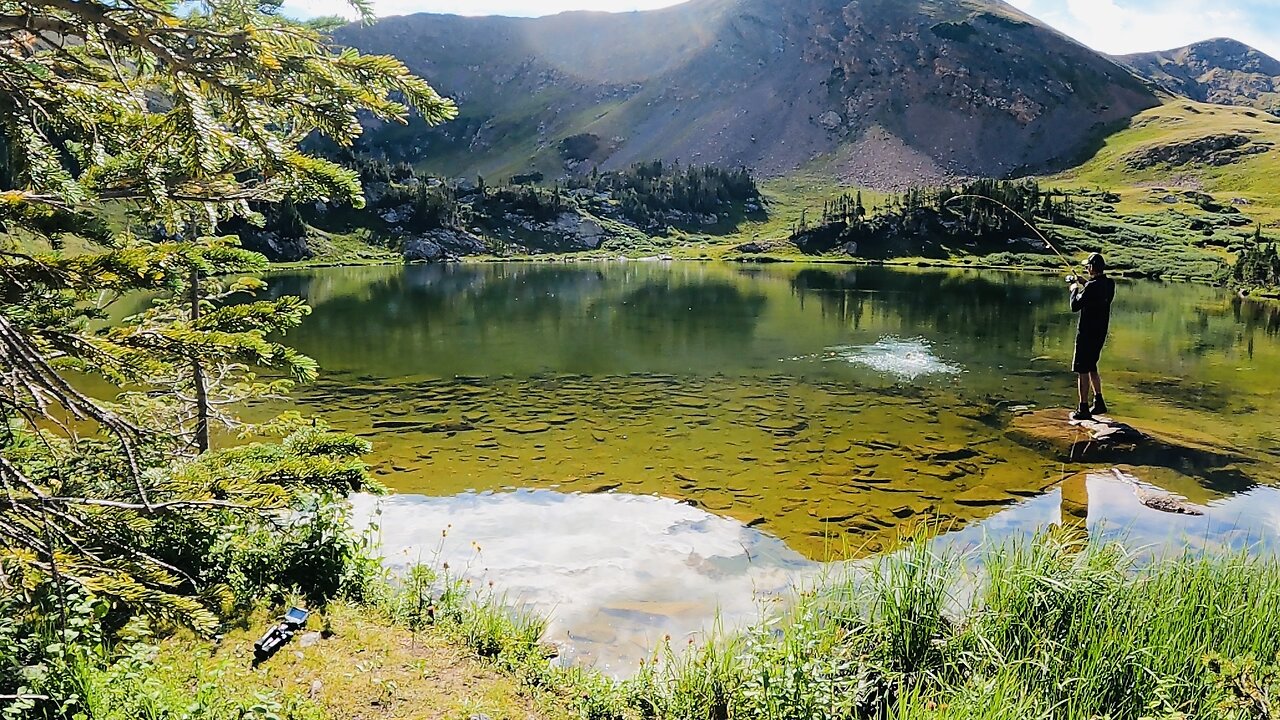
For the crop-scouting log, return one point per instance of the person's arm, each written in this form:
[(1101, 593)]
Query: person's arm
[(1080, 297)]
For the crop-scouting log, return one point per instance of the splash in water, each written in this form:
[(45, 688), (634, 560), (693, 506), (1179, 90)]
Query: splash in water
[(902, 359)]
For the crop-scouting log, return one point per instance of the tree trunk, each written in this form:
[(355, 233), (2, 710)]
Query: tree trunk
[(197, 373)]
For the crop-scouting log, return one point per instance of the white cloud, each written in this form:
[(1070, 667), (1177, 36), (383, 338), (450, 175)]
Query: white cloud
[(1126, 26)]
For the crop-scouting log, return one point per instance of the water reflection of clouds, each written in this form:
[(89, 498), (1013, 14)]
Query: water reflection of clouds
[(616, 573), (1249, 521)]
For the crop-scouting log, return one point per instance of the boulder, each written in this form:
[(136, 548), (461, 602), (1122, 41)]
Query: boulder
[(275, 247), (1106, 440), (580, 232), (423, 250), (441, 245)]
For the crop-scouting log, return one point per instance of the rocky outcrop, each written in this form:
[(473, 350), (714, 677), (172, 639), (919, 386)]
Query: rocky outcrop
[(579, 232), (441, 245), (1220, 149), (755, 247), (422, 250), (275, 247)]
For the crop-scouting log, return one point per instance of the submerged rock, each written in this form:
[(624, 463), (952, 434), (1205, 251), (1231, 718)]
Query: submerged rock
[(1157, 499)]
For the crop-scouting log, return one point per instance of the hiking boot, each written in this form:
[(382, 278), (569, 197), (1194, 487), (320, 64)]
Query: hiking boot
[(1099, 406), (1082, 414)]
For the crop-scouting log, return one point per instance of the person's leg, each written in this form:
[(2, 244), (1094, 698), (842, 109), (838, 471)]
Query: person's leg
[(1082, 387), (1099, 405), (1084, 363)]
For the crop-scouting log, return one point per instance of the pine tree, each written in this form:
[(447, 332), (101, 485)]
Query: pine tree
[(185, 115)]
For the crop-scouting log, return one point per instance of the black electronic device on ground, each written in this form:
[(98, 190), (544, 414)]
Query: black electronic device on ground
[(279, 634)]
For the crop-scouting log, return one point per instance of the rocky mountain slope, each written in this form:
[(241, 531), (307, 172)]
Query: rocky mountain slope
[(884, 93), (1222, 71)]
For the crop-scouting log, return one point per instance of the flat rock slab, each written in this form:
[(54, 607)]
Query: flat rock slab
[(1106, 440)]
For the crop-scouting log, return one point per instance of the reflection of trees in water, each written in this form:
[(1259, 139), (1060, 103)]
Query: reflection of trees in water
[(1223, 322), (503, 318), (711, 308), (1004, 313), (1253, 316), (837, 292)]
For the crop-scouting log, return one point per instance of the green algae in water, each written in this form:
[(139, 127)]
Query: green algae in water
[(832, 407)]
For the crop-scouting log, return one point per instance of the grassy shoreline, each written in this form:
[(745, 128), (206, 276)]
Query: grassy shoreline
[(1057, 628), (761, 259)]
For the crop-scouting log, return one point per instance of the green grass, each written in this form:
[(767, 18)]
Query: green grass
[(1053, 630), (1254, 179), (1057, 628)]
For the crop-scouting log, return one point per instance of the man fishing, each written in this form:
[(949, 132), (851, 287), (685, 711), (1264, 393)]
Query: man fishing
[(1092, 300)]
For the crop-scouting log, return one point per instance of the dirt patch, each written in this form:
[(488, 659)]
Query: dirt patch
[(366, 669)]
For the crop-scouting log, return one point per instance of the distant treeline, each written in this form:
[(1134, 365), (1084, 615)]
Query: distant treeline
[(650, 191), (984, 211), (646, 194), (1258, 266)]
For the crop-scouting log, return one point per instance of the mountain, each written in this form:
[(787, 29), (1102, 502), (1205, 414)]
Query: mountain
[(881, 92), (1221, 71)]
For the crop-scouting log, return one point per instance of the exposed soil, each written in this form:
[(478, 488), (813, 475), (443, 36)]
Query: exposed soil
[(366, 669)]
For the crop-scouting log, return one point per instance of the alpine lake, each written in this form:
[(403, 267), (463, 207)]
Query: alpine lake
[(642, 449)]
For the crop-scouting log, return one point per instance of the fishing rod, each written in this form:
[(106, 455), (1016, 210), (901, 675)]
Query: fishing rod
[(1070, 267)]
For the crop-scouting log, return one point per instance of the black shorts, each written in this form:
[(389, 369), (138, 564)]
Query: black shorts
[(1088, 351)]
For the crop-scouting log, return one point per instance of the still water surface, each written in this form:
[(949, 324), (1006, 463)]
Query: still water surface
[(632, 445)]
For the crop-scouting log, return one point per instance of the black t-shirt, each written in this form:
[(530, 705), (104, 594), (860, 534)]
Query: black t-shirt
[(1093, 302)]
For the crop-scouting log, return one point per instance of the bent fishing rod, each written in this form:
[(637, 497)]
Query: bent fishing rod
[(1070, 267)]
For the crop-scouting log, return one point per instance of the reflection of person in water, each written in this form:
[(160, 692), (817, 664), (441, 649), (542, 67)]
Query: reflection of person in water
[(1075, 507), (1092, 300)]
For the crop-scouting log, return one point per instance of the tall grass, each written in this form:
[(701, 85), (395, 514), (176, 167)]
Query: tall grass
[(1048, 629), (1051, 629)]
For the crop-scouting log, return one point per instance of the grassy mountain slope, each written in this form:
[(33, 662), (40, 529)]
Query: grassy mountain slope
[(1181, 131), (1222, 71), (894, 90), (1176, 194)]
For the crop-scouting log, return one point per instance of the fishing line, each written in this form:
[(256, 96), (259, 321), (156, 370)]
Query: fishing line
[(1070, 267)]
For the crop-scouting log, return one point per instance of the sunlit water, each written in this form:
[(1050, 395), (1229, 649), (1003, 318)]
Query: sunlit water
[(632, 446)]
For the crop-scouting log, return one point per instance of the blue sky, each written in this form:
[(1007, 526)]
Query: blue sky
[(1113, 26)]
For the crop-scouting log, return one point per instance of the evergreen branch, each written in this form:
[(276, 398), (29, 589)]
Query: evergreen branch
[(149, 508)]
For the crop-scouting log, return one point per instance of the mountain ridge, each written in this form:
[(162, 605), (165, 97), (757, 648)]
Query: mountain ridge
[(883, 92), (1222, 71)]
